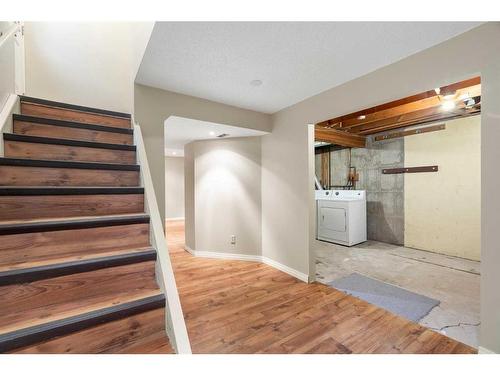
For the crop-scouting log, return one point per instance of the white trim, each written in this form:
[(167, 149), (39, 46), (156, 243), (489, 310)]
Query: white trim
[(483, 350), (293, 272), (252, 258), (19, 58), (228, 256), (174, 218), (6, 116), (174, 318)]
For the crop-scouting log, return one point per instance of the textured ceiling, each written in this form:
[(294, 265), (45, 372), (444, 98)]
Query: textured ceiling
[(294, 60)]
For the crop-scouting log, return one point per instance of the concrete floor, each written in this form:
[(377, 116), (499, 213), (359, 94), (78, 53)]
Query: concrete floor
[(453, 281)]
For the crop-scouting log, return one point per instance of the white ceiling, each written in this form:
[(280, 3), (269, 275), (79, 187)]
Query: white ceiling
[(294, 60), (180, 131)]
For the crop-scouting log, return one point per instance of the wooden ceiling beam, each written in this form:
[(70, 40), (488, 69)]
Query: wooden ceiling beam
[(339, 137), (433, 102), (419, 117), (425, 99)]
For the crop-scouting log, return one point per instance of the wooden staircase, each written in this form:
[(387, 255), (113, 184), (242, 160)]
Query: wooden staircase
[(77, 271)]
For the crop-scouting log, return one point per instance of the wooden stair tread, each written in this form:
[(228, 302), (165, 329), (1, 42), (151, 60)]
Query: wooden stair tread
[(41, 163), (47, 300), (58, 129), (70, 258), (27, 225), (65, 142), (98, 323), (140, 333), (70, 124), (69, 190), (80, 108), (25, 203), (69, 112), (91, 305), (20, 275)]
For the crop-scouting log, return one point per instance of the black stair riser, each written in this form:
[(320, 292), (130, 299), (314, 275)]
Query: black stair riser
[(15, 162), (47, 331), (51, 103), (52, 226), (28, 275), (32, 191), (71, 124), (65, 142)]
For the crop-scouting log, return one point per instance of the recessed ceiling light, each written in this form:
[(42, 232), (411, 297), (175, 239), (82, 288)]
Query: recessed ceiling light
[(256, 82), (174, 153), (362, 117), (212, 133)]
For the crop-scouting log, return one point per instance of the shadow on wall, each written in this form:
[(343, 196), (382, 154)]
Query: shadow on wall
[(380, 228)]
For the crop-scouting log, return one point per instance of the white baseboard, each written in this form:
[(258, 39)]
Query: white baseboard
[(229, 256), (252, 258), (292, 272), (174, 218), (483, 350)]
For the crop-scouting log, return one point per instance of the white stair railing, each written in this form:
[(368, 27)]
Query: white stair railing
[(175, 324)]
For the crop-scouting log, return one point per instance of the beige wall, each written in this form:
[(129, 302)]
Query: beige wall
[(153, 106), (227, 196), (443, 209), (86, 63), (174, 187), (288, 161), (189, 201)]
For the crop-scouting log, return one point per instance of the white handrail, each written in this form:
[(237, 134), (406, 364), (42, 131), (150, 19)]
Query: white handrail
[(174, 318), (10, 107)]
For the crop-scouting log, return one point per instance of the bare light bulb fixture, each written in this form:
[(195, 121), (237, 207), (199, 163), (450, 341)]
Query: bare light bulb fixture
[(448, 105)]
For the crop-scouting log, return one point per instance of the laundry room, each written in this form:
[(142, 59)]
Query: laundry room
[(398, 205)]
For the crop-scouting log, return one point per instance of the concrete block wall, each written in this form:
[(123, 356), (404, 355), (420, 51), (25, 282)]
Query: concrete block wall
[(385, 192)]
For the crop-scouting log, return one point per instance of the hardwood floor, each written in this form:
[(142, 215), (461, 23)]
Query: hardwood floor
[(246, 307)]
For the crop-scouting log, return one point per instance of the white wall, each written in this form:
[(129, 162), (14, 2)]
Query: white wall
[(443, 209), (86, 63), (153, 106), (288, 160), (7, 63), (174, 187), (227, 196)]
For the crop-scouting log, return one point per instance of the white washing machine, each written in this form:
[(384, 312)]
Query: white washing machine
[(341, 216)]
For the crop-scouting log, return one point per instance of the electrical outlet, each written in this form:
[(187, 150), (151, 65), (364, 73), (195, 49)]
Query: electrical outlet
[(233, 240)]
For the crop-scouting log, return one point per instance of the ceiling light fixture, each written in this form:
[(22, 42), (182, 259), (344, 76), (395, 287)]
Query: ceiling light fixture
[(256, 82), (464, 96), (174, 153), (448, 105), (212, 133), (361, 117), (437, 90), (470, 103)]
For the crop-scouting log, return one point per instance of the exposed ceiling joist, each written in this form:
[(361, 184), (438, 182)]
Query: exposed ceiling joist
[(339, 137), (416, 109)]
